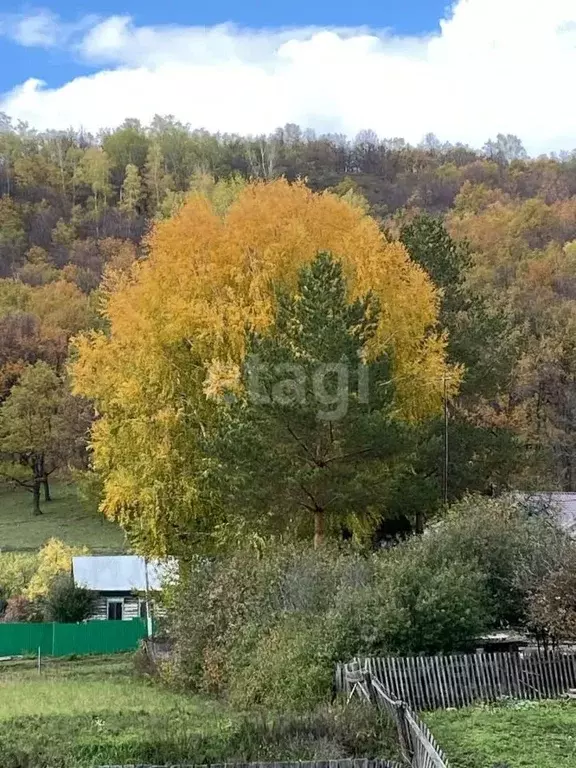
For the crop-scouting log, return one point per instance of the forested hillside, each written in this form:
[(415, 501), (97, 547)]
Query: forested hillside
[(495, 230)]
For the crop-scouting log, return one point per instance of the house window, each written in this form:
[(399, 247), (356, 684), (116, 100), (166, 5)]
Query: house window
[(115, 610), (143, 610)]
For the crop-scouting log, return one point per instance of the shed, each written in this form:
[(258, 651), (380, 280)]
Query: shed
[(121, 582)]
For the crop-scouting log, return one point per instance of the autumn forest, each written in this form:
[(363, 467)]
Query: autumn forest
[(138, 267)]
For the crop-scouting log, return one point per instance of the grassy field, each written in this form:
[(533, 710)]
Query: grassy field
[(518, 735), (95, 711), (64, 518), (91, 712)]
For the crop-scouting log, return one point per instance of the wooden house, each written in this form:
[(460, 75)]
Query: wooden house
[(123, 584)]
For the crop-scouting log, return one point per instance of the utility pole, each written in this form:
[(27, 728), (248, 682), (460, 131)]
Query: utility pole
[(148, 606), (446, 445)]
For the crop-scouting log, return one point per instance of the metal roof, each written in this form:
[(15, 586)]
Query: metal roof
[(120, 573)]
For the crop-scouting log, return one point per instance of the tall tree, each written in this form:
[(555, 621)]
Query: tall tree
[(179, 326), (94, 170), (131, 193), (314, 441)]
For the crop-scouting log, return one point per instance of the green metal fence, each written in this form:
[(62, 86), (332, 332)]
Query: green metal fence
[(67, 639)]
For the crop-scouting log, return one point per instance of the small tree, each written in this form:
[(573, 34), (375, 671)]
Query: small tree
[(54, 560), (68, 603), (39, 429)]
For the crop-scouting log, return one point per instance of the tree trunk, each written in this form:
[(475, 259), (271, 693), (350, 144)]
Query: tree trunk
[(36, 496), (419, 522), (319, 525), (46, 484)]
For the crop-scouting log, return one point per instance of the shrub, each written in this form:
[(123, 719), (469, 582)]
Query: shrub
[(552, 605), (424, 606), (292, 663), (66, 602), (267, 627), (509, 545), (20, 609)]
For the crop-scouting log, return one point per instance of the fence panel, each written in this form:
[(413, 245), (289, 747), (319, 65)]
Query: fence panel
[(418, 746), (56, 639), (460, 680)]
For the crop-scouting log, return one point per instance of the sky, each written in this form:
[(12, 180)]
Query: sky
[(464, 72)]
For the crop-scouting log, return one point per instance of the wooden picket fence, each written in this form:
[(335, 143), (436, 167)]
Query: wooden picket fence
[(351, 763), (418, 746), (434, 682)]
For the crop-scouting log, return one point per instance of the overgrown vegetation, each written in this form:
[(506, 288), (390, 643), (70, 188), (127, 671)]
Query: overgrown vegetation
[(266, 625), (94, 712)]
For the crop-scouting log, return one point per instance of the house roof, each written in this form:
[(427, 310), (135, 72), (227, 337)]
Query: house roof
[(120, 573), (561, 505)]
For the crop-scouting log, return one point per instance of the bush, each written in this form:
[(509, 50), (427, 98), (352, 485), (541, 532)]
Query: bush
[(292, 663), (510, 546), (426, 607), (20, 609), (66, 602), (552, 605), (268, 627)]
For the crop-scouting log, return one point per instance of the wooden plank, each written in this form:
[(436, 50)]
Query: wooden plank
[(469, 672), (440, 683), (451, 684)]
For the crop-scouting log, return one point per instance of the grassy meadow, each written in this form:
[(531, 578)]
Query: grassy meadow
[(523, 734), (94, 711), (64, 518)]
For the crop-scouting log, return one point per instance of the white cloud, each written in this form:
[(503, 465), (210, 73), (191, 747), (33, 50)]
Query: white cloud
[(41, 29), (494, 66)]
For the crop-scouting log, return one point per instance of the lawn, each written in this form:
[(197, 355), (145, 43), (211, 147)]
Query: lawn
[(64, 518), (518, 735), (94, 711)]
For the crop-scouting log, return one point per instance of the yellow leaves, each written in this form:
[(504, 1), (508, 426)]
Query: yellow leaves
[(221, 377), (178, 321), (54, 558)]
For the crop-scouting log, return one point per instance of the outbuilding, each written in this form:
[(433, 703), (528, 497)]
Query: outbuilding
[(123, 584)]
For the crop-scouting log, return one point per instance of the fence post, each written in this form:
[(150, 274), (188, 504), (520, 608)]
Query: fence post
[(53, 638), (404, 732)]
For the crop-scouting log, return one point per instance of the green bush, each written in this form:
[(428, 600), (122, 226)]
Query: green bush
[(293, 663), (510, 546), (267, 627), (66, 602), (423, 606)]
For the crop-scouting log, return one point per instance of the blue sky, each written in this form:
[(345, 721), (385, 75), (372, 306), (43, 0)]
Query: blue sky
[(18, 63), (464, 71)]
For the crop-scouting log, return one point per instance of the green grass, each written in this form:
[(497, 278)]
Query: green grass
[(518, 734), (94, 711), (64, 518)]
